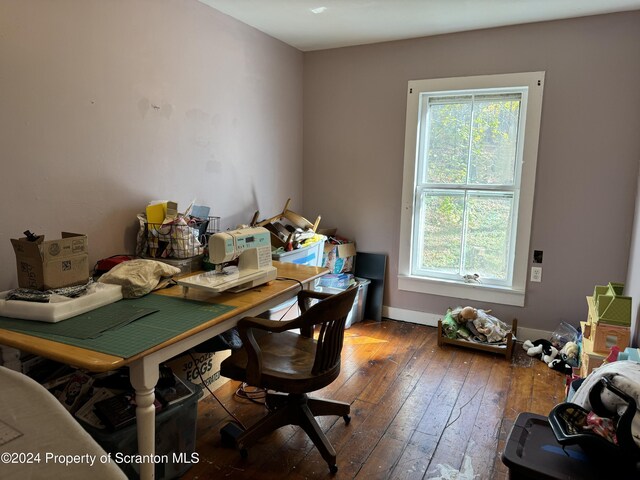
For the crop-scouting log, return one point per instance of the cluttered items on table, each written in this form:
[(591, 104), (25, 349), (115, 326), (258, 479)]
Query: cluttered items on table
[(54, 283), (166, 233), (289, 230)]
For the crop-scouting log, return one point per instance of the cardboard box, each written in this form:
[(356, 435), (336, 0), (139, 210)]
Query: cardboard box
[(339, 258), (589, 360), (43, 265), (605, 336), (206, 364)]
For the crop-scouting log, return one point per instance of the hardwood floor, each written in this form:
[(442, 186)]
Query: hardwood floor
[(418, 411)]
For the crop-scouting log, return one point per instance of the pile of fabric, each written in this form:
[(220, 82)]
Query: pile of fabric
[(475, 325)]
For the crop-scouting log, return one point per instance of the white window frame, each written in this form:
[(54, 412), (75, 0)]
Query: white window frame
[(513, 294)]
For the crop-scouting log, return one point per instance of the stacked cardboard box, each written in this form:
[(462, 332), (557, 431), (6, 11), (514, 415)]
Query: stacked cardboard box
[(602, 333), (589, 359)]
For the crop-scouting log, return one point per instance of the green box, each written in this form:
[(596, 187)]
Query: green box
[(612, 307)]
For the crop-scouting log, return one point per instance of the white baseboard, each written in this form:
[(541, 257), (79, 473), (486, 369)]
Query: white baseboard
[(431, 320), (411, 316)]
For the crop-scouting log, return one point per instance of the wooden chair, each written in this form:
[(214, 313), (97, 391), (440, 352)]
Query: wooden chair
[(279, 360)]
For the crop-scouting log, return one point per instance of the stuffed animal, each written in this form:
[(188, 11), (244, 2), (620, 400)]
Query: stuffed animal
[(541, 348), (569, 353), (559, 365)]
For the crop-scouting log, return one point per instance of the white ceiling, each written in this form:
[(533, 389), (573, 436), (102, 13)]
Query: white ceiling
[(342, 23)]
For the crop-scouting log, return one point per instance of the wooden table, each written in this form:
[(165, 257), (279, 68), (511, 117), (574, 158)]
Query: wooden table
[(143, 367)]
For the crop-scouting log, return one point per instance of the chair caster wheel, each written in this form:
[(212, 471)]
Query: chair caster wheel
[(347, 419), (229, 435), (333, 469)]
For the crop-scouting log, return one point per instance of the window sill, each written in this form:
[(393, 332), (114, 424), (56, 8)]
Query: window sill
[(467, 291)]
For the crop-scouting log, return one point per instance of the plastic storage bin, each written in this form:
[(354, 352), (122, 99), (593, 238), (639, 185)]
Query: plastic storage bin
[(533, 453), (357, 311), (175, 439), (310, 255)]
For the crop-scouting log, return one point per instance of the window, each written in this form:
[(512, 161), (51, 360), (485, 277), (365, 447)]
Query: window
[(469, 174)]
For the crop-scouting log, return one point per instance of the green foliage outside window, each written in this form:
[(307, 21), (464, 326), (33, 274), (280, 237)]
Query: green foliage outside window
[(470, 155)]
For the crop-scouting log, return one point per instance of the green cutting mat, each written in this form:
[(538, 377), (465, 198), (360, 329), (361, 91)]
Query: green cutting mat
[(124, 328)]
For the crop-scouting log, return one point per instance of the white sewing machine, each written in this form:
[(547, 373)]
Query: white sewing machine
[(252, 248)]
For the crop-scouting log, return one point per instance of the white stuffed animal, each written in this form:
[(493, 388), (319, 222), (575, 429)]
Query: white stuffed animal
[(541, 348)]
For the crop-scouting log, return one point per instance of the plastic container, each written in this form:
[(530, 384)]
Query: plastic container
[(310, 255), (335, 280), (533, 453), (175, 439), (357, 310)]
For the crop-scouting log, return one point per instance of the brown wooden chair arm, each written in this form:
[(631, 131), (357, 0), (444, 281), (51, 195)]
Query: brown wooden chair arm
[(314, 294), (305, 295), (265, 324)]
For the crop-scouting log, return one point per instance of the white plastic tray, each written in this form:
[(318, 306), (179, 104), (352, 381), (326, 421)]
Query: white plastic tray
[(59, 307)]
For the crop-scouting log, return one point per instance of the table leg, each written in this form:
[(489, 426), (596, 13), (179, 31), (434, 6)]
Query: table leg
[(144, 377)]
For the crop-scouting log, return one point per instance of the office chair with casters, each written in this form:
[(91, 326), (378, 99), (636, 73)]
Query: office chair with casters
[(291, 365)]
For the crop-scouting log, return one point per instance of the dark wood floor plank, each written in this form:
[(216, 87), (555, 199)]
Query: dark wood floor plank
[(453, 442), (380, 415), (485, 433)]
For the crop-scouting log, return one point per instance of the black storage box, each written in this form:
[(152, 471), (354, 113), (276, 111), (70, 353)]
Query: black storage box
[(533, 453)]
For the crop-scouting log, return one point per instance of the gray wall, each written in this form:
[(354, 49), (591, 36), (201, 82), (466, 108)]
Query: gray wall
[(106, 105), (633, 275), (354, 117)]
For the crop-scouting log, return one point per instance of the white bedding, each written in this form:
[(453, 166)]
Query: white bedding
[(39, 439)]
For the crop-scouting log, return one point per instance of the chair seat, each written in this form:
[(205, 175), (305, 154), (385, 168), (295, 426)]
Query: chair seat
[(287, 359)]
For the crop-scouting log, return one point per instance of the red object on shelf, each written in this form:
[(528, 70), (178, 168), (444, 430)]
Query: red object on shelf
[(107, 264)]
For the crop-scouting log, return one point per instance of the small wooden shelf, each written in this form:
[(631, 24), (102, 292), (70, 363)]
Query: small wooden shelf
[(504, 349)]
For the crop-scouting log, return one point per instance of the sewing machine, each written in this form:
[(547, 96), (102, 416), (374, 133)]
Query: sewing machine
[(252, 248)]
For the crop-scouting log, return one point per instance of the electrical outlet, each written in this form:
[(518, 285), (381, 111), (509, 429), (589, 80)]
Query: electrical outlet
[(536, 274)]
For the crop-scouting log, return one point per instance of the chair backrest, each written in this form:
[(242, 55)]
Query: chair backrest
[(331, 315)]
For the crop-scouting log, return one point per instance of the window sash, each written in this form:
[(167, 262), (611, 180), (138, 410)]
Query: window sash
[(466, 235), (465, 190), (472, 98)]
